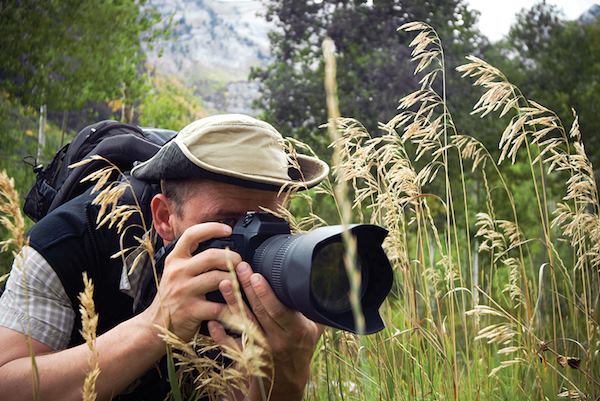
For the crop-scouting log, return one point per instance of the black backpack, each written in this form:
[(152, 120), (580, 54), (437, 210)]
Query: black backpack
[(121, 143)]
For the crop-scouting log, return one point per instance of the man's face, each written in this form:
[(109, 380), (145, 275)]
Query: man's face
[(225, 203)]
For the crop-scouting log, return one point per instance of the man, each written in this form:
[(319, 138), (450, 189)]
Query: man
[(212, 173)]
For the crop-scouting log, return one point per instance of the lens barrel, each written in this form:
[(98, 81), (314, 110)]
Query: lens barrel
[(308, 274)]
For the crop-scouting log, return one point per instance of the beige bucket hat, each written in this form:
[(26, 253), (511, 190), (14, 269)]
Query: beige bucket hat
[(235, 149)]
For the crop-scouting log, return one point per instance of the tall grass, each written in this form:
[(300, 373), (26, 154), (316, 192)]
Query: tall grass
[(12, 221), (480, 309), (483, 306)]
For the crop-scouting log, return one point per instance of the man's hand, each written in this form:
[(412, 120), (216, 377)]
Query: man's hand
[(291, 336), (181, 304), (187, 278)]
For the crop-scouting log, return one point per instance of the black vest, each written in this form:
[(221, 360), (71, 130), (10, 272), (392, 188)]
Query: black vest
[(69, 240)]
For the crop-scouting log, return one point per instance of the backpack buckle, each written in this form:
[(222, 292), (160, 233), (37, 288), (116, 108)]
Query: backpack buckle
[(34, 164)]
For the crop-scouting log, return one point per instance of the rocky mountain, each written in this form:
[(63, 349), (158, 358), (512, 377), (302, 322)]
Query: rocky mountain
[(590, 14), (217, 41)]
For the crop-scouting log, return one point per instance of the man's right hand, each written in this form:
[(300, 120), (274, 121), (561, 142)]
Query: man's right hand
[(180, 303)]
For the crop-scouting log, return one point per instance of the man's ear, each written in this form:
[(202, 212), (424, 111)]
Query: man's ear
[(162, 214)]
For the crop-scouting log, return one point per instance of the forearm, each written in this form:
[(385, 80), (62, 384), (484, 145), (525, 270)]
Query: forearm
[(124, 353)]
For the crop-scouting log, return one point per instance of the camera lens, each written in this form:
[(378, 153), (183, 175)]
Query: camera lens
[(307, 272), (329, 281)]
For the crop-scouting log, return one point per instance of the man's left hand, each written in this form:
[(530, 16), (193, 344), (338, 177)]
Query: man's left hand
[(291, 336)]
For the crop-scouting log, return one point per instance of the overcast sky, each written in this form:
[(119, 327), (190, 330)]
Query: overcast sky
[(497, 16)]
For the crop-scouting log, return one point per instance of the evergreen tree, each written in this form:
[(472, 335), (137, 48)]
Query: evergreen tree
[(373, 60)]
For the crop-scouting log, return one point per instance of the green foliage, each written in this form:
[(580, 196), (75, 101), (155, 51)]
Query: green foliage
[(556, 61), (66, 53), (170, 104), (18, 138), (372, 59)]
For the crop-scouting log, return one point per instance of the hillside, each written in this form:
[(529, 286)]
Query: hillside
[(217, 43)]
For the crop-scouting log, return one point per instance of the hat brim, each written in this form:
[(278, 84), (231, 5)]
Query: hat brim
[(172, 163)]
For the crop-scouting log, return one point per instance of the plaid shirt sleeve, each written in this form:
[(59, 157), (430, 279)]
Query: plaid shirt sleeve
[(34, 302)]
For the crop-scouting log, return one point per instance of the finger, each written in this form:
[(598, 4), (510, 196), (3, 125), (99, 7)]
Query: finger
[(219, 335), (201, 285), (213, 259), (196, 311), (232, 300), (207, 310), (268, 310), (186, 268), (191, 237), (270, 305)]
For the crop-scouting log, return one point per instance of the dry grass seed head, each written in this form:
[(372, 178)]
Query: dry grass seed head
[(101, 176), (506, 364), (493, 240), (89, 322), (496, 333), (426, 45), (579, 223), (110, 211), (574, 131), (108, 195), (511, 229), (89, 385), (11, 219), (497, 95), (479, 310), (432, 275), (467, 145), (478, 67), (108, 200), (207, 374), (513, 286), (508, 350), (87, 309), (572, 395), (557, 158)]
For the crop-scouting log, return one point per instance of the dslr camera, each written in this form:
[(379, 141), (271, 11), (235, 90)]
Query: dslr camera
[(307, 271)]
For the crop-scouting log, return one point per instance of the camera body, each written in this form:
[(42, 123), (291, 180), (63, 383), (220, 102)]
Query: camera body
[(248, 233)]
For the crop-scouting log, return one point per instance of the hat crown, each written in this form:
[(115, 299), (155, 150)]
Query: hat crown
[(235, 144), (235, 149)]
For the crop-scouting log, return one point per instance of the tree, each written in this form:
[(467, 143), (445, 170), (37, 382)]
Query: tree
[(373, 60), (555, 62), (170, 104), (63, 54)]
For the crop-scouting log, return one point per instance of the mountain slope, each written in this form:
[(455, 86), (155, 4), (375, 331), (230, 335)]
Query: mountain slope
[(217, 43)]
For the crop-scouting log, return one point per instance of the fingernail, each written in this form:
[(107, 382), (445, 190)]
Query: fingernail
[(226, 288), (242, 268), (227, 230), (255, 280)]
